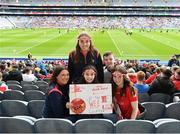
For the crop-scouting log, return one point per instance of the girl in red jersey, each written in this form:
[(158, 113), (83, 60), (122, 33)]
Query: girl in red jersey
[(124, 94)]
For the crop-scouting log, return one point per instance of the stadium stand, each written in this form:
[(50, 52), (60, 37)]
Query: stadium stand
[(24, 103)]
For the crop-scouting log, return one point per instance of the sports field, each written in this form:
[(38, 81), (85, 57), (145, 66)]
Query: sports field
[(44, 43)]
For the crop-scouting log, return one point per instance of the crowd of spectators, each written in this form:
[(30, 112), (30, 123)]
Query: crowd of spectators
[(92, 22)]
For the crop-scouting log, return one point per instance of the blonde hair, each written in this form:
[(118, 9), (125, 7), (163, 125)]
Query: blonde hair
[(140, 75)]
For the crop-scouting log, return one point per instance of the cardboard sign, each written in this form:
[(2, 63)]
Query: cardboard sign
[(90, 98)]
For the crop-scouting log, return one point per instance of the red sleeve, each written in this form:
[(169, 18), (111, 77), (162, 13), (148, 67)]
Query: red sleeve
[(131, 96)]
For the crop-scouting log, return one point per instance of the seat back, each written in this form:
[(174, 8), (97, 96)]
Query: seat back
[(143, 97), (14, 107), (14, 87), (53, 126), (35, 108), (29, 87), (154, 110), (134, 126), (173, 111), (13, 125), (94, 126), (169, 127), (34, 95), (12, 82), (160, 97), (13, 95)]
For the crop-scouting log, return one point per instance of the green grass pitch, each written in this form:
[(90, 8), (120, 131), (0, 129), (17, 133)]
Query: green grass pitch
[(49, 43)]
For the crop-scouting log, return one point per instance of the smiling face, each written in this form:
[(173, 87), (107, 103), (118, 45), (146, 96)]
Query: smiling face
[(63, 77), (108, 60), (84, 43), (117, 78), (89, 75)]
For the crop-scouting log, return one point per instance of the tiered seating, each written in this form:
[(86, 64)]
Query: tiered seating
[(24, 125), (11, 108), (26, 85)]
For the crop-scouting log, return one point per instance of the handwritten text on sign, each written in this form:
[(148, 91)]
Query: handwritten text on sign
[(90, 98)]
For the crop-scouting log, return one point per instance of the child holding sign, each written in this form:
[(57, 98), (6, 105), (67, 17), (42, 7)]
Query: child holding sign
[(89, 76)]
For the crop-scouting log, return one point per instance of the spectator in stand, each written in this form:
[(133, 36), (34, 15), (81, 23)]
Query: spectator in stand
[(57, 100), (89, 76), (173, 69), (108, 60), (153, 76), (132, 75), (15, 74), (28, 76), (176, 79), (49, 75), (3, 86), (85, 54), (124, 94), (163, 83), (173, 61), (140, 85), (4, 72)]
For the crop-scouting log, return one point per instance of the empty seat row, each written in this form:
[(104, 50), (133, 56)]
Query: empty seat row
[(24, 96), (26, 82), (20, 125), (157, 110), (24, 88), (12, 108), (154, 110)]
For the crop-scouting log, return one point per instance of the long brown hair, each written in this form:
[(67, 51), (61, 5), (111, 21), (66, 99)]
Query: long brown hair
[(56, 72), (126, 81), (78, 49)]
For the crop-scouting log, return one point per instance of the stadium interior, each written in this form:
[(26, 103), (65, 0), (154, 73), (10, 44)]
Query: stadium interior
[(21, 107)]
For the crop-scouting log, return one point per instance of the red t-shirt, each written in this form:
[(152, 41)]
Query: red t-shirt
[(124, 102), (176, 83)]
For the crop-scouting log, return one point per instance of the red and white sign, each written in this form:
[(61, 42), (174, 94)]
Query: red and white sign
[(90, 98)]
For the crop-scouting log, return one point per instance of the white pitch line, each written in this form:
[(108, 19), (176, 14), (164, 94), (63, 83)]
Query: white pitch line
[(38, 44), (115, 44)]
